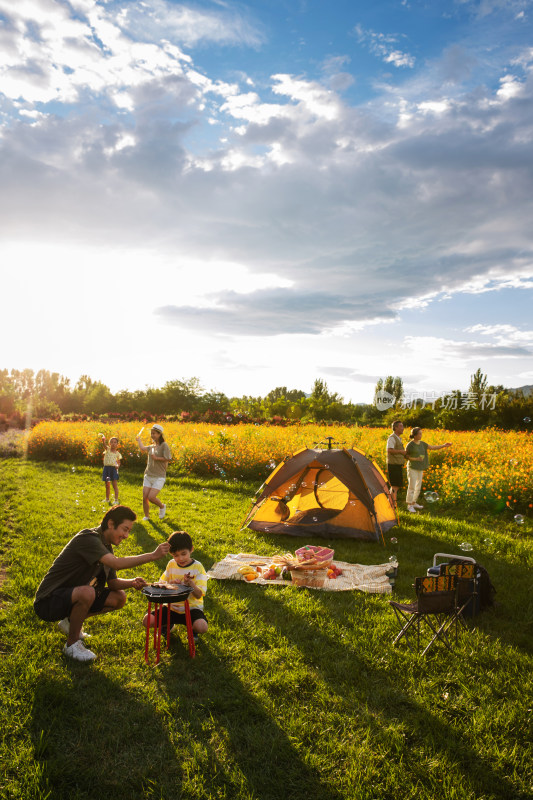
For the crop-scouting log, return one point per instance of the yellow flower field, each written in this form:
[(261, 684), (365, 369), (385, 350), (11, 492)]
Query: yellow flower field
[(482, 468)]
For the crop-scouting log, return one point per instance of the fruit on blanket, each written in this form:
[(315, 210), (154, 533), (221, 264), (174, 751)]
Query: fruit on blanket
[(334, 571), (250, 576), (270, 575), (246, 569)]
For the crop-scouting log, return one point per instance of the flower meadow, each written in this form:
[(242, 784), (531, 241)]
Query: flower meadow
[(482, 469)]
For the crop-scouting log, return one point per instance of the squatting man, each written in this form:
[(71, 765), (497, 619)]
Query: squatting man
[(83, 580)]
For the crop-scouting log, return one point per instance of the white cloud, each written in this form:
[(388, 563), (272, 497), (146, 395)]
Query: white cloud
[(383, 46)]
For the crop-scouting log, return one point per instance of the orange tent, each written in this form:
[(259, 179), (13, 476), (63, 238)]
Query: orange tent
[(332, 493)]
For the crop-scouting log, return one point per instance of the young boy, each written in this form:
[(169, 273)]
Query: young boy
[(186, 570)]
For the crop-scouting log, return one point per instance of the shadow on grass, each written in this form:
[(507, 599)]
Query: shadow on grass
[(244, 743), (71, 719), (373, 699)]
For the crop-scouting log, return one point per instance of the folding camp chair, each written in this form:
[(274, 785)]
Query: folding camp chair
[(432, 614)]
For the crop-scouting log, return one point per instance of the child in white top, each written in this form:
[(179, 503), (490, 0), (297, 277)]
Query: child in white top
[(112, 459), (184, 569)]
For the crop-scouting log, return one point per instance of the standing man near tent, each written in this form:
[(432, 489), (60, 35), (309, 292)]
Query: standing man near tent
[(396, 455)]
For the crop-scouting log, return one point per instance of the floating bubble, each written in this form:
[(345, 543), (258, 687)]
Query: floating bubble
[(315, 519), (231, 455), (271, 464), (393, 540), (527, 420), (326, 466), (304, 484), (204, 491), (211, 433), (466, 547), (487, 542), (519, 519), (73, 469), (93, 509), (392, 559)]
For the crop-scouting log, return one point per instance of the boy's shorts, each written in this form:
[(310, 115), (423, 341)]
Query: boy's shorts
[(179, 619), (110, 474), (153, 483), (58, 605), (395, 473)]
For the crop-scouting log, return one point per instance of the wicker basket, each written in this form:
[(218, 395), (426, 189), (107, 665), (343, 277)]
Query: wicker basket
[(312, 578)]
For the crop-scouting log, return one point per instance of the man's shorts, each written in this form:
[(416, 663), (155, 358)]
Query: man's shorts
[(395, 473), (110, 474), (58, 605), (179, 619), (153, 483)]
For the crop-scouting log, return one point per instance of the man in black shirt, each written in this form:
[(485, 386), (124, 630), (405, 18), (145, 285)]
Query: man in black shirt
[(83, 580)]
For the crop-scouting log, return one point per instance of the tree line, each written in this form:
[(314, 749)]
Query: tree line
[(26, 396)]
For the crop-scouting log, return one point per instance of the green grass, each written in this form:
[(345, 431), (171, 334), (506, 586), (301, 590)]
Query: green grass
[(293, 694)]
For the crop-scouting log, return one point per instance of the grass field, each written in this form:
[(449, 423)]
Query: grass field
[(294, 693)]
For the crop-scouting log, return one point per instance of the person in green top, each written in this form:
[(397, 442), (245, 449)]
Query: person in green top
[(417, 449)]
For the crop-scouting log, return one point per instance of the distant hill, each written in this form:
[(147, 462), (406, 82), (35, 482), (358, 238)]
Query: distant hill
[(527, 391)]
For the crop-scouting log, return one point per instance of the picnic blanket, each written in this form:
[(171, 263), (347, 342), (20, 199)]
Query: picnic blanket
[(371, 578)]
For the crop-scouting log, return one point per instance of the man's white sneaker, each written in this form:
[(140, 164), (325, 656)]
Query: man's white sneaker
[(64, 627), (78, 652), (411, 509), (145, 519), (417, 505), (162, 512)]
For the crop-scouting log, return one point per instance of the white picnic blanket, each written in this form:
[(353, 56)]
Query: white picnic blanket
[(370, 578)]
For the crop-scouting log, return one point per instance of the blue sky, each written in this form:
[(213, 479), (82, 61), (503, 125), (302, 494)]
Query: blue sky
[(259, 194)]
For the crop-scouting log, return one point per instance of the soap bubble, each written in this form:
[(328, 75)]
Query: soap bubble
[(73, 469), (466, 546), (393, 540), (271, 464), (315, 519), (231, 455), (487, 542), (519, 519), (527, 420), (326, 466), (392, 559), (93, 509)]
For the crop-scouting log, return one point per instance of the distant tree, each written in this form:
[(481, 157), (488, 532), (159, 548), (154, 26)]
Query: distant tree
[(478, 383), (392, 385)]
